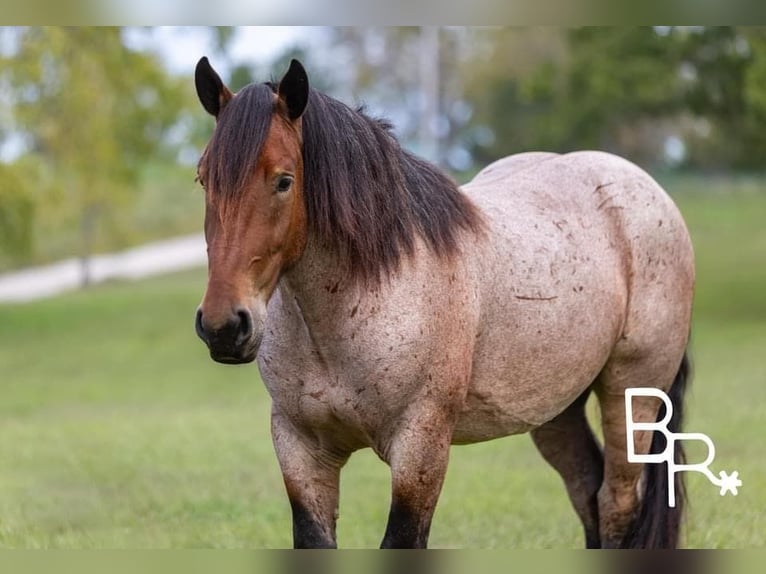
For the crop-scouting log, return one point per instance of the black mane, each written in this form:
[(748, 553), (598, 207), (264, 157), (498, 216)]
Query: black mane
[(366, 198)]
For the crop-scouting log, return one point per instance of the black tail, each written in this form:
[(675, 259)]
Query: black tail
[(657, 525)]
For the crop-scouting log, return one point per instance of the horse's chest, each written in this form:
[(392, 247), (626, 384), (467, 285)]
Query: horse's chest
[(322, 400), (329, 403)]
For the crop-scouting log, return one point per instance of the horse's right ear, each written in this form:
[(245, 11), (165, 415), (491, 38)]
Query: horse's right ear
[(210, 88)]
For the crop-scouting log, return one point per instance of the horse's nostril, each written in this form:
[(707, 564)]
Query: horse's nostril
[(198, 326), (245, 325)]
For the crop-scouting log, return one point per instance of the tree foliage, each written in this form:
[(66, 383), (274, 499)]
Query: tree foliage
[(630, 90), (89, 104), (93, 112), (17, 210), (626, 90)]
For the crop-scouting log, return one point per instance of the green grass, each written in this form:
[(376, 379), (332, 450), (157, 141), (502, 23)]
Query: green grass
[(117, 431)]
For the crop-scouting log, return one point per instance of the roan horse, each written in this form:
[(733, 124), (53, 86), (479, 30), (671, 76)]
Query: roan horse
[(388, 308)]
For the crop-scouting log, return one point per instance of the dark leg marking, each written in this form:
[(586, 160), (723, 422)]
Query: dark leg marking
[(405, 528), (307, 533)]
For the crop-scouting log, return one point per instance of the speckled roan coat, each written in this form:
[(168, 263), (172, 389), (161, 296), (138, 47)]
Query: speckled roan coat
[(581, 280)]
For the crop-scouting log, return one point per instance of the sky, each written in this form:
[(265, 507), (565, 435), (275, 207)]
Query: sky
[(181, 47)]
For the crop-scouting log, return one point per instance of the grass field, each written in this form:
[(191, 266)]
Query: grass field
[(117, 431)]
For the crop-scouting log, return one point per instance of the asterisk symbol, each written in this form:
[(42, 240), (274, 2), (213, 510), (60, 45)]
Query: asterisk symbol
[(729, 482)]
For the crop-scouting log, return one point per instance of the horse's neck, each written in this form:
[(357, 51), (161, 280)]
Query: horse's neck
[(316, 284)]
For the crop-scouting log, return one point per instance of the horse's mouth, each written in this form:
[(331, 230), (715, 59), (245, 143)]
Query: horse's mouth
[(234, 353), (233, 359)]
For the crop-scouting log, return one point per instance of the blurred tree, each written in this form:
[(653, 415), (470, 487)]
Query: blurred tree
[(407, 74), (755, 95), (688, 96), (618, 77), (627, 90), (17, 210), (559, 90), (513, 83), (94, 111), (725, 69)]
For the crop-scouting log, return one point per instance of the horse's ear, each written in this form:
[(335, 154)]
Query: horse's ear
[(211, 91), (294, 90)]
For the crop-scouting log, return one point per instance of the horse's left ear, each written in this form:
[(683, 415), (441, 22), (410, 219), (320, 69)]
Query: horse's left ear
[(294, 90)]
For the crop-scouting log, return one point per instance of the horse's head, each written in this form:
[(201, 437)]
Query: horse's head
[(255, 218)]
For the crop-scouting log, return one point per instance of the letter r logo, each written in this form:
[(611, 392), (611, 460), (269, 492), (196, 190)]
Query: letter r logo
[(725, 482)]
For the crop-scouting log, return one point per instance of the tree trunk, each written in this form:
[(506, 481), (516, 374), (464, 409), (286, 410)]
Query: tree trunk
[(87, 232)]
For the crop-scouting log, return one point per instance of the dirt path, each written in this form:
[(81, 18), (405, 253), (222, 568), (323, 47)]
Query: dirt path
[(151, 259)]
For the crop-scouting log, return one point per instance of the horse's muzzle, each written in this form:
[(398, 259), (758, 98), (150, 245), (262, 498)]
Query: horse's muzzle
[(234, 342)]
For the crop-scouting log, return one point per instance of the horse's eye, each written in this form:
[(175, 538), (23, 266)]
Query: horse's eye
[(284, 183)]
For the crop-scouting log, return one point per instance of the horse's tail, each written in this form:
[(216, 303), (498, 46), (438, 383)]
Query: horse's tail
[(656, 524)]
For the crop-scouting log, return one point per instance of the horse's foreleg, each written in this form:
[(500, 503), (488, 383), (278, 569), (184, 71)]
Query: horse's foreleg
[(418, 455), (312, 480)]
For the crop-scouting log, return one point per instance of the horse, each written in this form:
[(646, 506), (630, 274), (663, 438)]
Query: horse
[(389, 308)]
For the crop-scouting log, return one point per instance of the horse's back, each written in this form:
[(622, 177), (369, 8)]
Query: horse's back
[(583, 250), (513, 164)]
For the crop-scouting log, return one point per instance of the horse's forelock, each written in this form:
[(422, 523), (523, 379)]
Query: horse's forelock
[(239, 135)]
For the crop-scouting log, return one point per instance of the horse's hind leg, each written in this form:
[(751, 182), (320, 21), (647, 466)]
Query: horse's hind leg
[(568, 445), (632, 514)]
